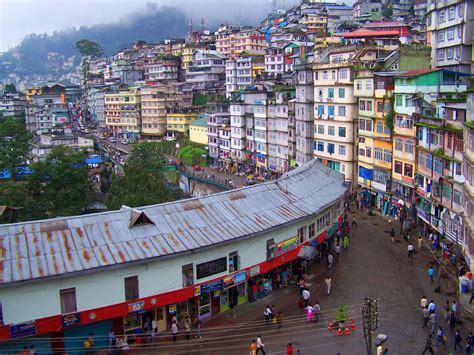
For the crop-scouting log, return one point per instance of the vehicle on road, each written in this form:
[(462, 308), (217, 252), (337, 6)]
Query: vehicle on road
[(124, 141), (112, 140)]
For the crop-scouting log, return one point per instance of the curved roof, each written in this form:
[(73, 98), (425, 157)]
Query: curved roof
[(54, 247)]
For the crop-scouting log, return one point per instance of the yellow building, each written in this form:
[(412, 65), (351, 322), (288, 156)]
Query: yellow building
[(153, 110), (198, 131), (179, 119), (32, 91), (187, 55), (123, 113)]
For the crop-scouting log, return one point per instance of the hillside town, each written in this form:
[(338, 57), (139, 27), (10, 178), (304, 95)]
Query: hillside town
[(318, 117)]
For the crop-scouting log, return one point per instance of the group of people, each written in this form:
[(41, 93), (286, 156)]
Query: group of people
[(430, 318), (191, 324), (272, 316), (257, 347)]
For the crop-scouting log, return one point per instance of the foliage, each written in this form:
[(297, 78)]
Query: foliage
[(143, 182), (14, 148), (387, 12), (342, 314), (347, 26), (10, 89), (89, 48), (190, 155)]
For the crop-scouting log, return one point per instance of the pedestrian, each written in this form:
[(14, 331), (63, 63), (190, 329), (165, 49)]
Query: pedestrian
[(174, 330), (273, 310), (354, 223), (420, 243), (317, 310), (328, 283), (410, 251), (187, 328), (423, 302), (260, 345), (428, 346), (111, 337), (345, 241), (309, 313), (289, 349), (253, 347), (306, 296), (338, 250), (432, 307), (452, 321), (447, 311), (392, 235), (457, 340), (469, 343), (279, 319), (284, 278), (440, 338), (431, 273), (434, 322), (426, 316), (330, 260), (454, 307), (267, 313), (197, 327)]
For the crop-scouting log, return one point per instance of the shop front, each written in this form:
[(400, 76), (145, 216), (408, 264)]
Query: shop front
[(178, 312), (234, 292), (209, 298)]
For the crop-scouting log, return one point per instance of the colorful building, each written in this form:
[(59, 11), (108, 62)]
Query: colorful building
[(179, 119), (198, 130)]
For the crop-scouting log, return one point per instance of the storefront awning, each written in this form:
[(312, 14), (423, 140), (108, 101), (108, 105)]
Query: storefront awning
[(307, 252)]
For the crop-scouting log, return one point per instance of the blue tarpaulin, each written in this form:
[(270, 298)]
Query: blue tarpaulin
[(20, 172), (366, 173), (95, 160)]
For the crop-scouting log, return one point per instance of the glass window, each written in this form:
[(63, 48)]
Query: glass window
[(457, 197), (368, 85), (399, 144), (320, 146), (429, 161), (398, 100), (342, 150), (451, 13), (330, 93), (408, 170), (379, 127), (342, 93), (330, 148), (369, 105), (387, 156), (449, 53), (131, 288), (409, 147), (331, 130), (398, 167), (331, 110), (320, 129), (187, 272), (362, 105), (343, 74), (441, 36), (325, 75), (440, 54), (380, 106), (438, 166), (450, 33), (68, 300), (341, 110), (378, 154), (234, 261), (442, 16), (342, 131)]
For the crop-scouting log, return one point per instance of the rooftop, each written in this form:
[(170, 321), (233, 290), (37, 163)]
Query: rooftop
[(360, 32), (201, 122), (89, 243)]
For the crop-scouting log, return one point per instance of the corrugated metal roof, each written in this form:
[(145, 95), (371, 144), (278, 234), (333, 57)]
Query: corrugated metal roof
[(47, 248)]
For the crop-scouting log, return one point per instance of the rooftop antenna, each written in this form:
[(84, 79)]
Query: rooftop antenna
[(203, 22), (273, 4), (191, 26)]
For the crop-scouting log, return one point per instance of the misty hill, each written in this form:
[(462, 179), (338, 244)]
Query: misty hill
[(154, 24)]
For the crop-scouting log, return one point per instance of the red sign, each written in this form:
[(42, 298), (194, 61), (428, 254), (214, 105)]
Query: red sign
[(420, 192), (407, 179)]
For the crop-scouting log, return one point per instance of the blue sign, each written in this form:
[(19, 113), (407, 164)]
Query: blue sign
[(21, 330), (240, 277), (212, 286)]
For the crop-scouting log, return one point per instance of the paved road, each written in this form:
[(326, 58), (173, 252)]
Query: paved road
[(371, 267)]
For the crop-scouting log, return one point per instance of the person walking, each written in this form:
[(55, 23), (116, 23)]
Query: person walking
[(306, 296), (420, 243), (434, 322), (392, 235), (354, 222), (452, 321), (279, 319), (447, 311), (187, 328), (423, 302), (428, 345), (284, 278), (432, 307), (197, 327), (174, 330), (260, 346), (431, 273), (309, 313), (454, 307), (253, 347), (289, 349), (426, 316), (268, 314), (440, 338), (410, 251), (317, 310), (328, 283), (345, 241), (330, 260), (338, 250), (457, 340)]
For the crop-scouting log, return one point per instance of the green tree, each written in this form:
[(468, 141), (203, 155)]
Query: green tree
[(59, 185), (86, 47), (14, 148), (387, 12), (143, 182), (10, 89)]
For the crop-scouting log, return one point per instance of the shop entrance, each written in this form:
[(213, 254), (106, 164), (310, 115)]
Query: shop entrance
[(216, 302)]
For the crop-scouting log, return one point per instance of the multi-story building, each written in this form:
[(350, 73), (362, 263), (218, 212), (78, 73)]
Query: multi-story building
[(206, 69), (12, 105), (198, 130), (164, 69), (42, 145), (335, 110), (468, 190), (187, 54), (450, 28), (231, 41), (123, 113), (274, 61), (96, 105), (178, 119), (420, 9), (243, 71), (214, 122), (46, 108), (154, 103)]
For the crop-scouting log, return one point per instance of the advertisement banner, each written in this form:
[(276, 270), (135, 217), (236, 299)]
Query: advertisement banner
[(136, 306), (24, 329), (286, 245), (70, 320)]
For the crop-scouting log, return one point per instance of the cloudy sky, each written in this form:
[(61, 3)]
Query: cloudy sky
[(21, 17)]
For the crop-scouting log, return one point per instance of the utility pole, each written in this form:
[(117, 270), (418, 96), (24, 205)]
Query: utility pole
[(370, 319)]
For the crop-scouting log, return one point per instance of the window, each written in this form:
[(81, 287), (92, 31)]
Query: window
[(342, 131), (449, 53), (331, 110), (187, 272), (438, 166), (442, 17), (341, 111), (368, 152), (362, 105), (398, 167), (320, 110), (380, 106), (457, 197), (325, 75), (131, 288), (342, 150), (331, 130), (330, 148), (387, 156), (234, 263), (333, 75), (398, 144), (369, 105), (450, 33), (211, 268), (398, 100), (440, 36), (368, 85), (358, 85), (311, 231), (300, 234), (440, 54), (320, 146), (343, 75), (320, 129), (408, 170), (271, 248), (451, 13), (68, 300), (342, 93), (409, 147), (378, 153), (330, 93)]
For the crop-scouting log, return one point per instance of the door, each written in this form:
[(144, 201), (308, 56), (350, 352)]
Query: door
[(216, 302)]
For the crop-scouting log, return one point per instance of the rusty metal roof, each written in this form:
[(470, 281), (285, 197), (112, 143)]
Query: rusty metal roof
[(55, 247)]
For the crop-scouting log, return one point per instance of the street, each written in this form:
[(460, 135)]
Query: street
[(371, 267)]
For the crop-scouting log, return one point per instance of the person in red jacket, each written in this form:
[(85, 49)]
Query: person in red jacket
[(289, 349)]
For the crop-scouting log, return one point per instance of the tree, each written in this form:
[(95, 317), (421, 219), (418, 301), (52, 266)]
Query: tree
[(60, 185), (143, 182), (14, 148), (89, 48), (387, 12), (10, 89)]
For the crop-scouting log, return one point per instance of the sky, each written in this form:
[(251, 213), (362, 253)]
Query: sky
[(21, 17)]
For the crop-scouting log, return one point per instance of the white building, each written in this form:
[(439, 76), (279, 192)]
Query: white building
[(206, 69), (450, 27), (215, 121), (12, 105), (64, 278), (274, 61)]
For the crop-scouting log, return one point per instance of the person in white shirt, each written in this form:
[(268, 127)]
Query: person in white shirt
[(423, 302), (330, 260), (174, 330), (328, 283), (306, 296), (410, 251), (260, 345)]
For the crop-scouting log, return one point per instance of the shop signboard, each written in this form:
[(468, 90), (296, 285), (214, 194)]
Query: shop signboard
[(240, 277), (136, 306), (25, 329), (286, 245), (254, 271), (209, 287), (172, 309), (228, 281), (422, 214), (70, 320)]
